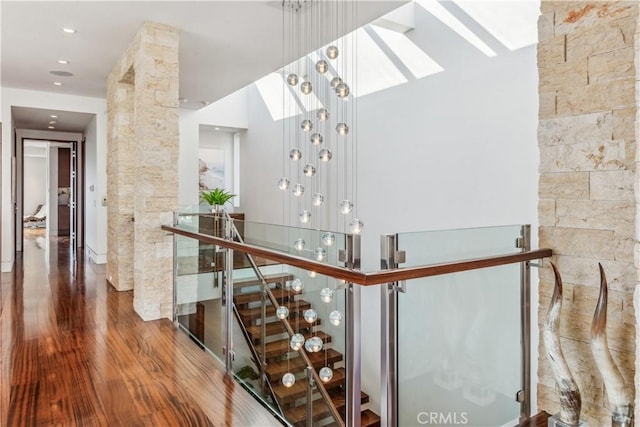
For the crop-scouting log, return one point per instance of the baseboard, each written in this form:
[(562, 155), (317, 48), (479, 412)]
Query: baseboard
[(7, 266), (95, 257)]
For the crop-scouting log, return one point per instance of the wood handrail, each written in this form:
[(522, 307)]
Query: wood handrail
[(367, 279)]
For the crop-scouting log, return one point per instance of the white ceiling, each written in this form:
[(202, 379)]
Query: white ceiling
[(39, 119), (224, 45)]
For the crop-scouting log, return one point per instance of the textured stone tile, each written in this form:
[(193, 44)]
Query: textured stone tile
[(593, 127), (624, 124), (547, 212), (611, 185), (613, 95), (562, 75), (547, 104), (617, 215), (597, 244), (551, 52), (564, 185), (614, 65), (597, 39), (577, 327), (546, 26), (577, 16), (588, 156)]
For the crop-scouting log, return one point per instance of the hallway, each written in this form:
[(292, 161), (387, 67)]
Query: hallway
[(73, 352)]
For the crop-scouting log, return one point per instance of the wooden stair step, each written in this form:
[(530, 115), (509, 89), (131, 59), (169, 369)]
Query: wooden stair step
[(299, 389), (339, 399), (298, 414), (369, 419), (269, 278), (281, 295), (250, 314), (276, 328), (276, 370), (278, 348)]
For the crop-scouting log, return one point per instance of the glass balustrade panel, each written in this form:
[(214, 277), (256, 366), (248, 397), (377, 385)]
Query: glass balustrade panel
[(459, 335)]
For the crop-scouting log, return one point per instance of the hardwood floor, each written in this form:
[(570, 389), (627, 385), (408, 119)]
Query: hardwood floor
[(73, 352)]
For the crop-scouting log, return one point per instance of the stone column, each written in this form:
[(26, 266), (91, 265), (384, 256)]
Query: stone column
[(147, 180), (588, 203)]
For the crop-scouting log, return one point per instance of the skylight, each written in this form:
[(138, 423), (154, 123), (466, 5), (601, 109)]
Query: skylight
[(414, 58), (272, 91), (440, 12), (509, 22)]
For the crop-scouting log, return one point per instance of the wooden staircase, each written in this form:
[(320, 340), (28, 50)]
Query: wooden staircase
[(281, 359)]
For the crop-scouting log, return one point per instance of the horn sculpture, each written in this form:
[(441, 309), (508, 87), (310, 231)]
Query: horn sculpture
[(570, 401), (617, 391)]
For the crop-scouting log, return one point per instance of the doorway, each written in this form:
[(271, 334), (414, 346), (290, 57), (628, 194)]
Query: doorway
[(48, 196)]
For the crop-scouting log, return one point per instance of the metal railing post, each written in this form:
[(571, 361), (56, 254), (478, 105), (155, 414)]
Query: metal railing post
[(525, 323), (353, 416), (175, 271), (310, 385), (389, 332), (228, 298)]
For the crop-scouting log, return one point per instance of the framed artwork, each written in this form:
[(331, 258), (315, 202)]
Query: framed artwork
[(211, 168)]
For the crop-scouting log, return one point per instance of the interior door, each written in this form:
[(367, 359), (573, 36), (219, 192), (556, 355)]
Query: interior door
[(73, 202)]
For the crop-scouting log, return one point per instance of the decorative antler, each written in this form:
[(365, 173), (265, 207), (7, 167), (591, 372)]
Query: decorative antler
[(570, 401), (617, 390)]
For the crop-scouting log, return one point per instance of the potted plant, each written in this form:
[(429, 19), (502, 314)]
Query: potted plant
[(216, 198)]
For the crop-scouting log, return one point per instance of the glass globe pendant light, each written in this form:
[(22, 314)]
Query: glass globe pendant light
[(325, 374), (326, 295), (297, 285), (305, 216), (322, 66), (335, 317), (342, 90), (306, 125), (310, 315), (298, 190), (335, 82), (288, 379), (283, 183), (328, 238), (309, 169), (299, 244), (345, 207), (355, 226), (316, 139), (292, 79), (295, 154), (317, 199), (320, 254), (325, 155), (323, 114), (297, 341), (342, 128), (332, 52), (282, 312), (306, 88)]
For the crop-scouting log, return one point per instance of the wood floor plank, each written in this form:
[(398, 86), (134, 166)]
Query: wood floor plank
[(74, 353)]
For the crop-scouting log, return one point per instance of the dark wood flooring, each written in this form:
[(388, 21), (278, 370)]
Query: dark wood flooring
[(73, 353)]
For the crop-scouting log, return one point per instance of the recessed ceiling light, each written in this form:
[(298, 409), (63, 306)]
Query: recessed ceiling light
[(52, 122), (205, 103), (217, 128), (69, 30), (183, 100), (57, 83), (52, 127), (63, 61), (53, 116), (61, 73)]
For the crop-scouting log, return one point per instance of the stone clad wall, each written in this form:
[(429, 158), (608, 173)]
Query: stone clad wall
[(142, 168), (588, 207)]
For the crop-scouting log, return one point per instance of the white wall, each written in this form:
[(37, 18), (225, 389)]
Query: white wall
[(35, 182), (95, 213), (455, 149), (229, 112), (34, 99)]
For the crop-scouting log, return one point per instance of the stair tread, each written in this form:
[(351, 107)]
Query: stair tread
[(339, 398), (280, 347), (276, 370), (369, 419), (269, 278), (245, 298), (256, 312), (299, 389), (275, 328), (298, 414)]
